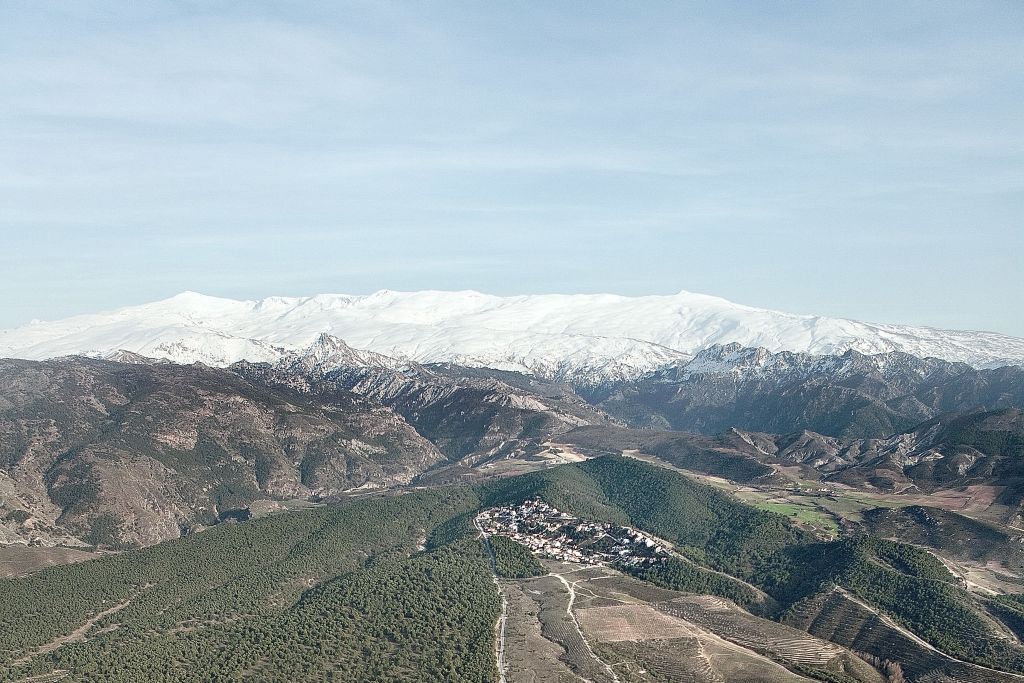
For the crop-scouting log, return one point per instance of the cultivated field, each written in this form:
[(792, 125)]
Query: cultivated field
[(558, 624), (615, 623), (529, 655), (843, 619), (595, 623)]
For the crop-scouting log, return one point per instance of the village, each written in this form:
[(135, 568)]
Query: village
[(553, 534)]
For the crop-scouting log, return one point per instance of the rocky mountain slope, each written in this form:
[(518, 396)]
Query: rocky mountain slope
[(464, 411), (852, 395), (584, 339), (983, 448), (134, 449), (137, 451), (978, 454), (113, 453)]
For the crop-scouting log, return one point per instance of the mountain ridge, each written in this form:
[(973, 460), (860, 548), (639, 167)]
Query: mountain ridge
[(849, 395), (584, 339)]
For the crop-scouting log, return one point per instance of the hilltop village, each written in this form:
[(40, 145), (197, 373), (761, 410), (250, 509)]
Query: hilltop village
[(550, 533)]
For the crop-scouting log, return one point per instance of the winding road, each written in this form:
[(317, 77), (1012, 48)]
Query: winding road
[(499, 644), (571, 588)]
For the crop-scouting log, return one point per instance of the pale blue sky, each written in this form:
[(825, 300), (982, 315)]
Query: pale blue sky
[(862, 160)]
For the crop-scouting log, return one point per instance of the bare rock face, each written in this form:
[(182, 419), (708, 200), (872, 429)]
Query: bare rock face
[(115, 453), (135, 452), (952, 451), (852, 395), (102, 452), (465, 412)]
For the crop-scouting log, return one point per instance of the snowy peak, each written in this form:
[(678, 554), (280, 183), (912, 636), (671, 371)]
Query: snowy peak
[(329, 353), (739, 361), (588, 339), (131, 358), (730, 358)]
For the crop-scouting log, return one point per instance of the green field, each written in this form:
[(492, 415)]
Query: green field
[(804, 513)]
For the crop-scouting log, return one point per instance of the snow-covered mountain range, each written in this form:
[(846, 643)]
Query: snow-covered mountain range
[(586, 338)]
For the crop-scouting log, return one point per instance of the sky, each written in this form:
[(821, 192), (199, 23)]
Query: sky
[(853, 159)]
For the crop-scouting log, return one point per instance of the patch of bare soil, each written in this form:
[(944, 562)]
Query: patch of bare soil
[(530, 657), (630, 622), (19, 560)]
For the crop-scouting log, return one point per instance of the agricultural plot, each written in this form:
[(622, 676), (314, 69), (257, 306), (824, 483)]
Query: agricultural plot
[(841, 618), (701, 657), (596, 623), (558, 624), (785, 644), (735, 664), (529, 655), (550, 455), (18, 560), (680, 659), (616, 623), (609, 584), (804, 511), (723, 627)]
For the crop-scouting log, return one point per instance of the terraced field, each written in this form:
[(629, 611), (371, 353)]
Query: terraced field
[(839, 617), (782, 643), (558, 625), (598, 624)]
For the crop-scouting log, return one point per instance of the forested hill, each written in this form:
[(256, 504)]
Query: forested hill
[(337, 593), (715, 531), (396, 586)]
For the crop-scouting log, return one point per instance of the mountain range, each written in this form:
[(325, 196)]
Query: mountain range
[(136, 450), (787, 462), (581, 339), (848, 395)]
